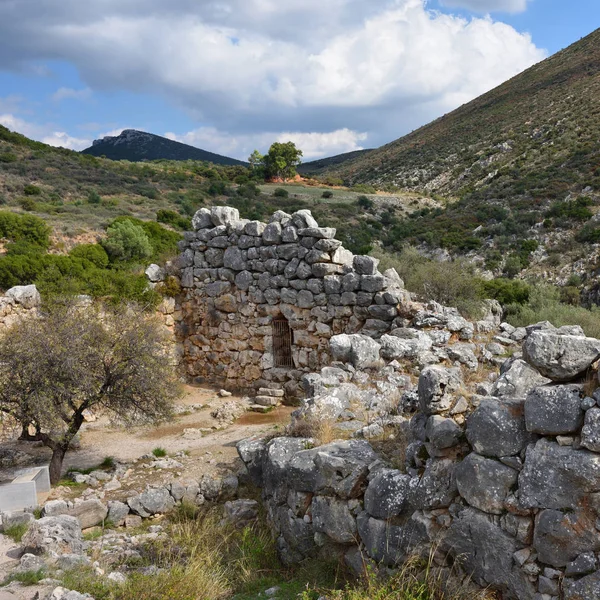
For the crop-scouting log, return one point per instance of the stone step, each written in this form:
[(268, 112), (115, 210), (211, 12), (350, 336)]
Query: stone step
[(266, 400), (270, 392), (257, 408)]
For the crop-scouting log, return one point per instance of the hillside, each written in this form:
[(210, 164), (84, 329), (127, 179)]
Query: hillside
[(317, 167), (136, 146)]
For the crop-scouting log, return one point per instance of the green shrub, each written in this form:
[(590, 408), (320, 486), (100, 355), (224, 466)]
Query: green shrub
[(16, 532), (94, 197), (327, 194), (32, 190), (280, 193), (506, 291), (173, 218), (159, 452), (588, 234), (365, 202), (27, 577), (95, 253), (28, 204), (127, 241)]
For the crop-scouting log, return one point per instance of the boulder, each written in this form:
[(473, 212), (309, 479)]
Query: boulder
[(252, 451), (517, 380), (241, 512), (360, 351), (436, 385), (202, 219), (485, 483), (333, 518), (497, 427), (442, 432), (436, 488), (560, 357), (554, 410), (61, 593), (25, 295), (117, 511), (224, 215), (485, 552), (365, 265), (59, 535), (155, 500), (558, 477), (560, 538), (590, 433), (387, 494), (89, 512), (582, 589), (155, 273)]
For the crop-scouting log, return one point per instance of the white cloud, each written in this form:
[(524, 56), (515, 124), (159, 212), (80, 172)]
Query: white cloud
[(488, 6), (247, 67), (313, 145), (43, 133), (65, 93)]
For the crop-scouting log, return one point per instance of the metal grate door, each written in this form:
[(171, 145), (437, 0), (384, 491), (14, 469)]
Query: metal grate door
[(282, 343)]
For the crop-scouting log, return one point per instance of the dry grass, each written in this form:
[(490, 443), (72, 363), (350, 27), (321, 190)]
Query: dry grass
[(321, 431)]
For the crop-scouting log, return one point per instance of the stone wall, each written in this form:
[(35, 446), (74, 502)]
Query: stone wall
[(239, 275), (503, 481)]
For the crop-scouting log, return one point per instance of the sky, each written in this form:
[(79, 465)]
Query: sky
[(230, 76)]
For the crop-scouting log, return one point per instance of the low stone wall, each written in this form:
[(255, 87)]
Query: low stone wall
[(238, 276), (504, 482)]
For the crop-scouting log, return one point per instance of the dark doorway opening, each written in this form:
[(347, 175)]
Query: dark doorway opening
[(282, 343)]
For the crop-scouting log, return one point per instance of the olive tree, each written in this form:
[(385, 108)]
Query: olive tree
[(75, 358)]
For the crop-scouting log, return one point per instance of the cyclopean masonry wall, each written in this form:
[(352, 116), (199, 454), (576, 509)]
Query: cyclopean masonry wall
[(241, 279), (500, 478)]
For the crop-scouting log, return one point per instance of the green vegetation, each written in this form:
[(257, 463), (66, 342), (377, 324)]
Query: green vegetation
[(159, 452), (16, 532), (26, 577), (126, 241), (280, 162)]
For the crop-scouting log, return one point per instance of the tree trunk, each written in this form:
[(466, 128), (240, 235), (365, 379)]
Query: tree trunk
[(58, 455)]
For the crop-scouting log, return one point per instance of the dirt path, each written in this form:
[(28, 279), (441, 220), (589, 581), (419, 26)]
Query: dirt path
[(210, 448)]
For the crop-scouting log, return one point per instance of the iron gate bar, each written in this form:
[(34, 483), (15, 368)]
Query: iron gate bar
[(282, 343)]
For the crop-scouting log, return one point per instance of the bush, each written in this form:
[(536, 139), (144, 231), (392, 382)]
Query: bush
[(28, 204), (159, 452), (280, 193), (173, 218), (365, 202), (95, 253), (94, 197), (127, 241), (32, 190), (507, 291), (16, 227), (589, 234), (327, 194)]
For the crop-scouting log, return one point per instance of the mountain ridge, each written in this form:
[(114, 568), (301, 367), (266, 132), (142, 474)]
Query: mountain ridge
[(136, 146)]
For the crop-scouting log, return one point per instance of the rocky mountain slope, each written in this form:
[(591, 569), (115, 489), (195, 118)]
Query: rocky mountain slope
[(136, 145)]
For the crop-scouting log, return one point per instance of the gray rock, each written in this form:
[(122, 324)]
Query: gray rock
[(254, 228), (224, 215), (463, 353), (31, 562), (436, 385), (60, 534), (436, 488), (590, 434), (585, 588), (155, 273), (359, 350), (518, 380), (333, 518), (365, 265), (560, 538), (497, 427), (387, 494), (558, 477), (243, 280), (25, 295), (554, 410), (61, 593), (486, 553), (584, 564), (14, 518), (117, 511), (272, 233), (303, 218), (151, 502), (241, 512), (442, 432), (321, 233), (89, 512), (485, 483), (289, 234), (372, 283), (560, 357), (202, 219), (233, 259)]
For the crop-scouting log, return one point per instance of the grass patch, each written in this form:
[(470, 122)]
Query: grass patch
[(16, 532), (159, 452), (26, 577)]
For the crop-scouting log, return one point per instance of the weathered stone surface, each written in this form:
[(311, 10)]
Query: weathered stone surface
[(584, 564), (585, 588), (590, 433), (436, 385), (224, 215), (60, 534), (554, 410), (89, 513), (202, 219), (443, 432), (436, 488), (117, 511), (359, 350), (333, 518), (486, 553), (365, 265), (485, 483), (517, 380), (387, 494), (151, 502), (25, 295), (560, 357), (240, 512), (560, 537), (390, 544), (558, 477), (272, 233), (155, 273)]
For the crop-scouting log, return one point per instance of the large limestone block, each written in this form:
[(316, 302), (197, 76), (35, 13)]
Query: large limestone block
[(485, 483), (202, 219), (60, 534), (224, 215), (436, 488), (387, 494), (25, 295), (436, 385), (560, 357), (359, 350), (89, 512), (517, 380), (558, 477), (333, 518), (554, 410), (497, 427)]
